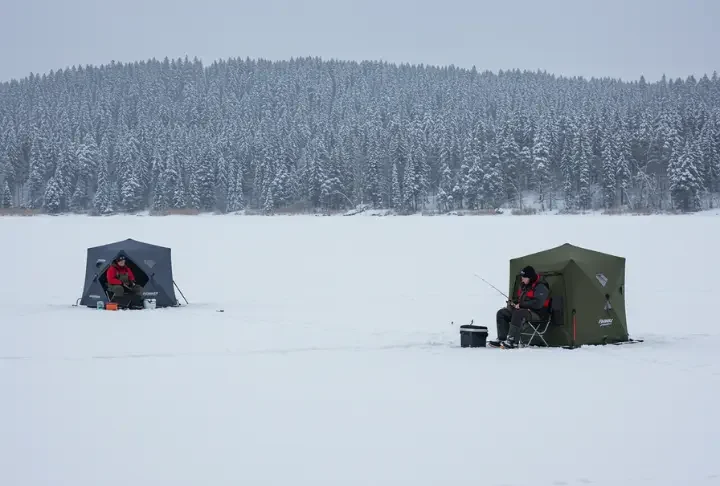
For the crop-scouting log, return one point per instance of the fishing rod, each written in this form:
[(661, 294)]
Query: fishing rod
[(491, 285)]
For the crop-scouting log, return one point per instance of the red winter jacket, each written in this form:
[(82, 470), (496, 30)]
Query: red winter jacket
[(114, 270), (534, 296)]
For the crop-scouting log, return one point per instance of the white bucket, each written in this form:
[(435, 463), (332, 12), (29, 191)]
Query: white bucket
[(149, 303)]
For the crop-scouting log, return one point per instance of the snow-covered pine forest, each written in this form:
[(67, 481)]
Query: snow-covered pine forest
[(312, 134)]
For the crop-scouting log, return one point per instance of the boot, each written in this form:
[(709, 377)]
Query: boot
[(509, 343)]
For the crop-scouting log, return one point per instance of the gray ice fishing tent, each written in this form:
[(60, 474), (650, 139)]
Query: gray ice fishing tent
[(151, 265)]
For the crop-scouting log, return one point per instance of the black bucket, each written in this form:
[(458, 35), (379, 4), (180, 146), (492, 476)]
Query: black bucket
[(473, 336)]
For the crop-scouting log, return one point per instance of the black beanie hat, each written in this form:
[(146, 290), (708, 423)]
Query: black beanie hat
[(528, 272)]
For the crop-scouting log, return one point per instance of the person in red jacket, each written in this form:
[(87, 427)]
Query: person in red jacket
[(120, 278), (532, 303)]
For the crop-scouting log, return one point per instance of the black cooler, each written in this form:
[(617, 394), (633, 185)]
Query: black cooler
[(472, 336)]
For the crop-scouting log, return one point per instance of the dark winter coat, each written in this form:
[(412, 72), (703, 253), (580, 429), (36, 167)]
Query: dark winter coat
[(534, 296)]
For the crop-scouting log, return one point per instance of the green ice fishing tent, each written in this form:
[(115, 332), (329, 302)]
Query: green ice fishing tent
[(591, 290)]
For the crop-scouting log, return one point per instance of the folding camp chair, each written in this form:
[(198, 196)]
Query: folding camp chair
[(123, 302), (540, 327)]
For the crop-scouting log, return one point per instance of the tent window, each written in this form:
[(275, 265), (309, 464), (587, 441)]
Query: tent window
[(140, 277)]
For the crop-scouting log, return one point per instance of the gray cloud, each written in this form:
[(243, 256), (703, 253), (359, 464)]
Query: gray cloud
[(616, 38)]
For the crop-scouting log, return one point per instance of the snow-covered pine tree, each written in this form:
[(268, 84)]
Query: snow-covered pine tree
[(269, 205), (53, 196), (38, 168), (6, 169), (165, 182), (444, 150), (582, 166), (510, 166), (410, 186), (396, 192), (204, 174), (5, 196), (568, 171), (685, 178), (193, 192), (541, 169), (314, 171), (87, 160), (609, 171), (261, 172), (282, 187), (222, 181), (472, 183), (156, 168), (16, 168), (131, 190), (103, 201), (373, 177), (179, 194), (128, 176), (473, 169), (492, 192), (80, 199), (419, 156), (624, 161), (66, 173), (709, 148), (445, 197), (333, 194), (236, 199)]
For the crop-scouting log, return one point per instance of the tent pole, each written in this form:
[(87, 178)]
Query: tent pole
[(183, 295)]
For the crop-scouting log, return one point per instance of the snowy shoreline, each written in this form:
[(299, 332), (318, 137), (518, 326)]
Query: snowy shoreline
[(375, 213)]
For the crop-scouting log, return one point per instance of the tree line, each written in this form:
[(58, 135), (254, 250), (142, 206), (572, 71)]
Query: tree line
[(312, 134)]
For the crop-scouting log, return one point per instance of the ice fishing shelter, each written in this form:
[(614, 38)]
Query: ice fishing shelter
[(151, 265), (591, 285)]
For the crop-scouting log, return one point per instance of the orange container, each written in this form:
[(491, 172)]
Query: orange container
[(111, 306)]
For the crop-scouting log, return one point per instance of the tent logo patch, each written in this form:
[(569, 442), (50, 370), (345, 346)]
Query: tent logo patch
[(149, 263), (601, 278), (605, 322)]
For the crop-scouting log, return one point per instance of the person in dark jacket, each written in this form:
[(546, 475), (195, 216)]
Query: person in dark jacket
[(532, 304), (120, 278)]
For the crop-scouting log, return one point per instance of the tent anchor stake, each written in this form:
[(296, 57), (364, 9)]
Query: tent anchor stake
[(183, 295)]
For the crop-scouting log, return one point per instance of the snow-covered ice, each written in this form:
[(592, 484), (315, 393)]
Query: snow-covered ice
[(335, 361)]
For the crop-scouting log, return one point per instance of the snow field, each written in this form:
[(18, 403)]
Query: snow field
[(334, 361)]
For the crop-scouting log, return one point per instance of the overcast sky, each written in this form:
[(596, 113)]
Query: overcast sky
[(616, 38)]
